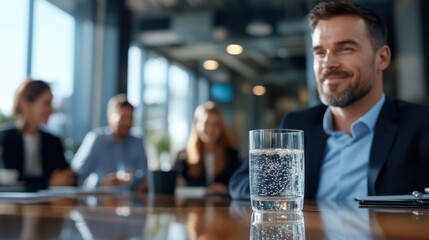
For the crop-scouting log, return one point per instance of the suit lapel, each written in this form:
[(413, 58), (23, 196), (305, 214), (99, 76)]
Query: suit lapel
[(384, 135), (315, 148)]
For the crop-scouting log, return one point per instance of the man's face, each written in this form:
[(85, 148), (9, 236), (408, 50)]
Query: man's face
[(121, 121), (344, 60)]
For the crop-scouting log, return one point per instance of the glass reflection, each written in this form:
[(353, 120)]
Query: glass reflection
[(269, 226), (110, 217)]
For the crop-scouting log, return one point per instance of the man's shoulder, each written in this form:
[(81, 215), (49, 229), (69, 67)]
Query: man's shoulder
[(402, 105), (304, 118), (307, 115), (135, 137), (410, 111), (100, 133), (406, 113), (314, 110)]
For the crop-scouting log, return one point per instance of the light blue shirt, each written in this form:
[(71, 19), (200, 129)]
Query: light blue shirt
[(100, 154), (344, 171)]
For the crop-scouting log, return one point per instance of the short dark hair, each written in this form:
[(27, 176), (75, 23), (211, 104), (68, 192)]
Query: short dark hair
[(329, 9), (117, 102), (29, 90)]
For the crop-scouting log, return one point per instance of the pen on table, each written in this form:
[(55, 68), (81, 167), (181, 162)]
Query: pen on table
[(418, 194)]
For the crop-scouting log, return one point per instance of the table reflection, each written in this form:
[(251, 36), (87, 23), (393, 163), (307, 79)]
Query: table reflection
[(127, 216), (33, 222), (345, 220), (158, 218), (110, 217), (273, 226)]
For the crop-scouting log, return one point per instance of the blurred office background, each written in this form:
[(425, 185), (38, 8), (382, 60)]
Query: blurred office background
[(171, 55)]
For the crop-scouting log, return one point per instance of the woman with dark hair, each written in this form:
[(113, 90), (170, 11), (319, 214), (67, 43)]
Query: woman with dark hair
[(38, 156), (210, 157)]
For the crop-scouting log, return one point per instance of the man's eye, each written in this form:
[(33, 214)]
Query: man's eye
[(319, 53), (346, 50)]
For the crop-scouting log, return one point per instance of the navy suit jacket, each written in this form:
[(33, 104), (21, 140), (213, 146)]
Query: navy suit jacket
[(399, 156), (52, 156)]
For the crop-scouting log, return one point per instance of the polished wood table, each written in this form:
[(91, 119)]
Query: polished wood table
[(127, 216)]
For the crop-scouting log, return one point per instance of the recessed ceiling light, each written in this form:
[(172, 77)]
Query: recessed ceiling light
[(234, 49), (210, 64), (259, 90)]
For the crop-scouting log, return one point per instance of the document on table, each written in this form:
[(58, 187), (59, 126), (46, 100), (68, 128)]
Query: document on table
[(25, 197), (197, 192), (395, 201), (71, 191)]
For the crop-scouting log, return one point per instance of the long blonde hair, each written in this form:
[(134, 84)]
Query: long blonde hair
[(195, 146)]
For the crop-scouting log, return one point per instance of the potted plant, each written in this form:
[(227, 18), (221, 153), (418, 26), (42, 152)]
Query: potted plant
[(162, 180)]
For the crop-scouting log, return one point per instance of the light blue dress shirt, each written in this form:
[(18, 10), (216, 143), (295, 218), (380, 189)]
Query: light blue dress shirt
[(344, 171), (100, 154)]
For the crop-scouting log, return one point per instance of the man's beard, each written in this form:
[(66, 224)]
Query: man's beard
[(347, 97)]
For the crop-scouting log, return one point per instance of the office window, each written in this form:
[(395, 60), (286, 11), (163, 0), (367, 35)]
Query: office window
[(155, 94), (179, 104), (134, 75), (13, 49), (134, 90), (53, 59)]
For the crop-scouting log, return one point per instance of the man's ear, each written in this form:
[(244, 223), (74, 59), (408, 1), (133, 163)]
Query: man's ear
[(383, 57)]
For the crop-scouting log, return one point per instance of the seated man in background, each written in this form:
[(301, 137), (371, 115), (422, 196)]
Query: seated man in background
[(110, 156), (359, 142)]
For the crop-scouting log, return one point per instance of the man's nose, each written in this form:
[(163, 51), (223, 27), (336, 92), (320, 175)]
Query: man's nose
[(330, 60)]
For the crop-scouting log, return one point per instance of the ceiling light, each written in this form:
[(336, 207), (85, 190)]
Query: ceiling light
[(259, 90), (234, 49), (210, 64), (259, 28)]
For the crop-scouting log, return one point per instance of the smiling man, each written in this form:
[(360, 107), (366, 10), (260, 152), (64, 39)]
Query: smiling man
[(359, 142), (110, 156)]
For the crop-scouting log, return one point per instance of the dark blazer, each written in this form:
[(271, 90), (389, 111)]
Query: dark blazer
[(399, 156), (52, 152), (181, 166)]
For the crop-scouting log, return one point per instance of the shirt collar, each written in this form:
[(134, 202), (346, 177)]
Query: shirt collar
[(109, 133), (369, 118)]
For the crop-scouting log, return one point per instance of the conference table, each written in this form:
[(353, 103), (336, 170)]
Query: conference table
[(148, 216)]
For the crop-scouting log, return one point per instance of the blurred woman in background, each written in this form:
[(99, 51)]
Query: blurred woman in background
[(210, 157), (37, 155)]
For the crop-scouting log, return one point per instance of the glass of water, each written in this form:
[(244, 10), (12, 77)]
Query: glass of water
[(276, 170)]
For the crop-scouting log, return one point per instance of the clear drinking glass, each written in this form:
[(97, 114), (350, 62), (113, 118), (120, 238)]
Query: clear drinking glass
[(125, 173), (276, 169)]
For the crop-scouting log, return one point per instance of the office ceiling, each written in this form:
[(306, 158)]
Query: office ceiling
[(192, 31)]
